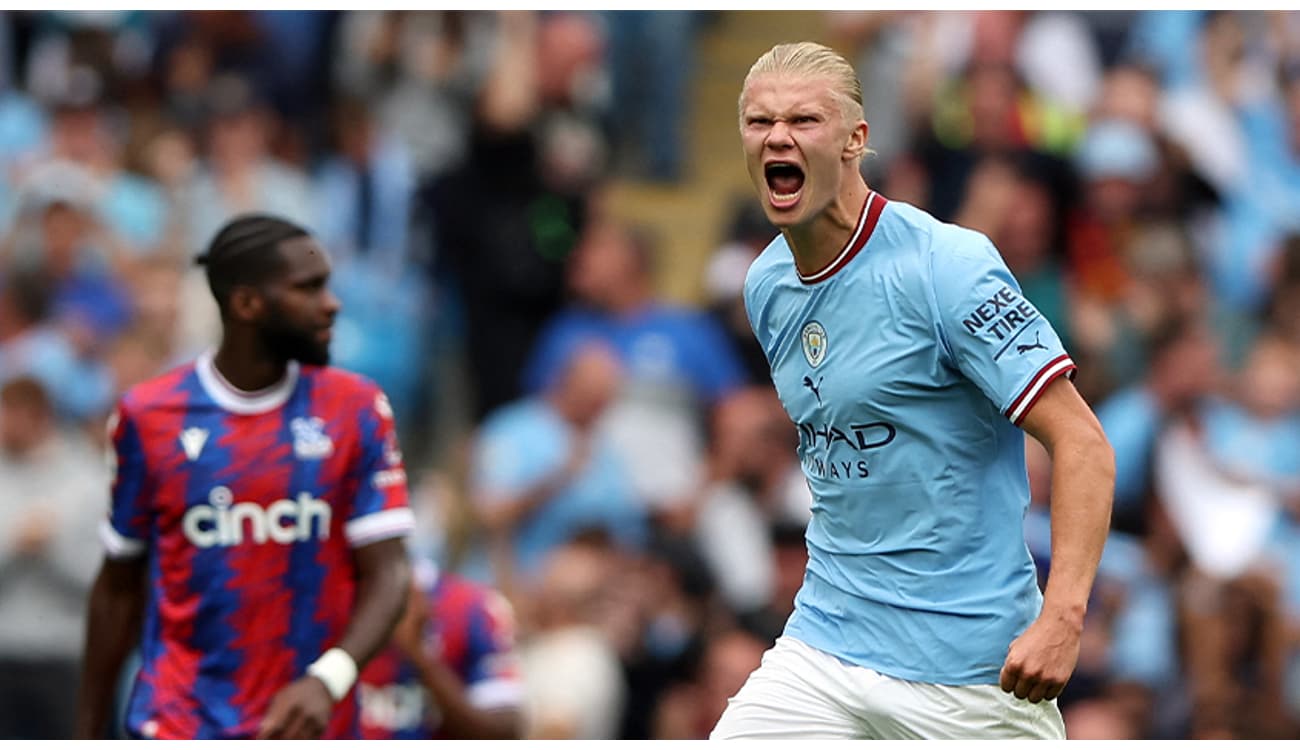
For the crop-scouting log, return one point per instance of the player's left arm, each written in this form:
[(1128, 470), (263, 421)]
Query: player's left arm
[(998, 340), (383, 578), (1041, 660), (377, 525), (302, 709)]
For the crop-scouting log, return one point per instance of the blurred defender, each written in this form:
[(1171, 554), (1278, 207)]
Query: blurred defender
[(905, 353), (451, 671), (257, 518)]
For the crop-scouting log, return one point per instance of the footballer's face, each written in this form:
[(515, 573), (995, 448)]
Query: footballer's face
[(799, 145), (299, 319)]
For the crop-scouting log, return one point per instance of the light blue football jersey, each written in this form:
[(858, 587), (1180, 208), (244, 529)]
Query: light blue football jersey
[(907, 364)]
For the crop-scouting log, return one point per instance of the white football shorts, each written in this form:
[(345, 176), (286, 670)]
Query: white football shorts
[(801, 692)]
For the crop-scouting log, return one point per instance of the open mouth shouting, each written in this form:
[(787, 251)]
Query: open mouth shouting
[(784, 183)]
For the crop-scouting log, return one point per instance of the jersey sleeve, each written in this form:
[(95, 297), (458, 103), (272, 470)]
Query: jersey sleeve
[(992, 334), (754, 295), (125, 532), (380, 509), (491, 675)]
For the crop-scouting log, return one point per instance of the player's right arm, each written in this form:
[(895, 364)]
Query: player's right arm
[(117, 597), (112, 628)]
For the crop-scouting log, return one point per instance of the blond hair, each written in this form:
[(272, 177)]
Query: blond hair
[(811, 59)]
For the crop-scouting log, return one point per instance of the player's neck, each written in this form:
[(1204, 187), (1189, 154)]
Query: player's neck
[(246, 366), (815, 245)]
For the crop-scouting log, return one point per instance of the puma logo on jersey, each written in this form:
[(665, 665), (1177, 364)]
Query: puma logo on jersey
[(192, 440), (1022, 348), (816, 389)]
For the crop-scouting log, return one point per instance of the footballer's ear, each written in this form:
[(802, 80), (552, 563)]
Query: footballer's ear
[(856, 146), (247, 303)]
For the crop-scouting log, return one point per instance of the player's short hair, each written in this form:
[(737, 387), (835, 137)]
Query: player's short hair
[(246, 252), (811, 59)]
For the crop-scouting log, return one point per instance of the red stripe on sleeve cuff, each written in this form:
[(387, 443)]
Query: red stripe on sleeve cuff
[(1062, 365)]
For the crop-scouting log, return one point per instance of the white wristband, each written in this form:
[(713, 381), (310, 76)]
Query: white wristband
[(337, 669)]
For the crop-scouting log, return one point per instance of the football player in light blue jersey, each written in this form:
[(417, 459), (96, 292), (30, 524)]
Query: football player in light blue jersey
[(905, 353)]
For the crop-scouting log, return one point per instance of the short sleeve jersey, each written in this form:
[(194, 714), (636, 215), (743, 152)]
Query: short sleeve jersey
[(907, 364), (248, 507)]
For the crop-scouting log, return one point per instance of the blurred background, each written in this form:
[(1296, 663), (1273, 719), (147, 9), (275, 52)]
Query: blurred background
[(540, 224)]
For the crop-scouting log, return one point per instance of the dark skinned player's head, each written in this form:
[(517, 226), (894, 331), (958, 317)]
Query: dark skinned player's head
[(270, 279)]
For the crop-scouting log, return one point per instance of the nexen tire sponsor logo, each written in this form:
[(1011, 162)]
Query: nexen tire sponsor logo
[(226, 523)]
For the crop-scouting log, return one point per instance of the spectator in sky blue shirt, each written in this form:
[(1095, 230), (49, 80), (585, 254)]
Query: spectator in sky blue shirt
[(679, 362), (541, 476)]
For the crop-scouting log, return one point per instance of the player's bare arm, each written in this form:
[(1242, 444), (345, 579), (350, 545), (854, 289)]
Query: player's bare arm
[(1041, 660), (302, 709), (112, 628), (461, 719)]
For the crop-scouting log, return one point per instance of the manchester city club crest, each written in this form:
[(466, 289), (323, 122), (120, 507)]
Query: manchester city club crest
[(814, 342)]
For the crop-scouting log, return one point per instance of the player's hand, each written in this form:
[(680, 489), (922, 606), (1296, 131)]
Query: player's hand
[(409, 634), (1041, 660), (300, 711)]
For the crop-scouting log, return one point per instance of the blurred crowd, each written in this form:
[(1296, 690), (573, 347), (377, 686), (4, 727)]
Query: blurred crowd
[(616, 463)]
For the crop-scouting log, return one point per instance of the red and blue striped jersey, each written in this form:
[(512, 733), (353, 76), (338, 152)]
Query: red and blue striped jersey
[(248, 507), (471, 630)]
